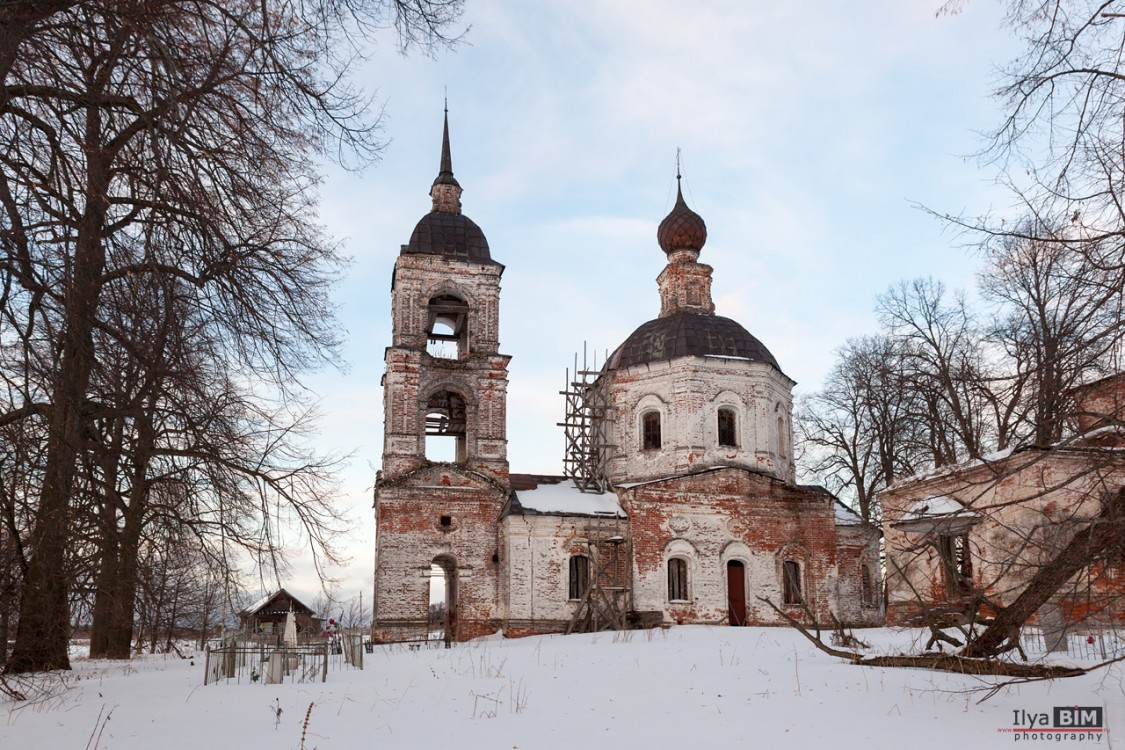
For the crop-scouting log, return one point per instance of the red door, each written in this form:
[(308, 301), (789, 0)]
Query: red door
[(736, 592)]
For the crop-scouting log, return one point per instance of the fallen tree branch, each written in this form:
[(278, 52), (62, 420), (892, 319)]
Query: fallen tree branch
[(815, 640), (994, 689), (940, 662)]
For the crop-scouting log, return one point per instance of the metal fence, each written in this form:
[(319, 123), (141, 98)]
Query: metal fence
[(1095, 643), (269, 662)]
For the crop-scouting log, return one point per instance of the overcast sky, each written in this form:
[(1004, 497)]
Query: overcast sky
[(810, 132)]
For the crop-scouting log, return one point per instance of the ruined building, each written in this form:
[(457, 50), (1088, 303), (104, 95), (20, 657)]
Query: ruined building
[(679, 503), (964, 539)]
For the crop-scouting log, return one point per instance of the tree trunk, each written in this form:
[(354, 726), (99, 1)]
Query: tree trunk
[(121, 587), (122, 609), (7, 587), (43, 632), (1106, 534), (109, 548)]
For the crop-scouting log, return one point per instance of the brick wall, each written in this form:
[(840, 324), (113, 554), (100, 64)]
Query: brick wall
[(857, 546), (479, 375), (723, 515), (1030, 503), (688, 393), (411, 536), (538, 549)]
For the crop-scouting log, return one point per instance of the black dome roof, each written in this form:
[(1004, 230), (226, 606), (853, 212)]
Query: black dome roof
[(452, 235), (689, 335)]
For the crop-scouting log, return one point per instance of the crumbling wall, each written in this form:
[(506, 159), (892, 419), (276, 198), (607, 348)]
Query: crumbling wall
[(440, 512), (688, 393), (721, 515), (1029, 504)]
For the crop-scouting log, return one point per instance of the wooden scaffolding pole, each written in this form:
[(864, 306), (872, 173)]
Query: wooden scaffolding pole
[(609, 594), (589, 416)]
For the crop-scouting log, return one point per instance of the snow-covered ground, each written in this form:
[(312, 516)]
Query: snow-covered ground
[(686, 687)]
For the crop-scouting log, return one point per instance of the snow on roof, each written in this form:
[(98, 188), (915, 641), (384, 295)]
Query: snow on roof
[(1106, 430), (845, 516), (631, 485), (938, 471), (566, 499), (937, 506), (253, 608), (259, 604)]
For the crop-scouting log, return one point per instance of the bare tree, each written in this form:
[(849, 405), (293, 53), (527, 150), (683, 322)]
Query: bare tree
[(986, 541), (1059, 321), (167, 140), (945, 367), (861, 430)]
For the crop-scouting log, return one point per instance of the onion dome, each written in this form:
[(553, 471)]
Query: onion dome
[(689, 335), (682, 228)]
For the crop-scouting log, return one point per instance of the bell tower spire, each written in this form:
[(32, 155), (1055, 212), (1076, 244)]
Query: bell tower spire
[(446, 191)]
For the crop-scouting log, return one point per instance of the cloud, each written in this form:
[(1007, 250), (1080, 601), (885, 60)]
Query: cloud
[(807, 130)]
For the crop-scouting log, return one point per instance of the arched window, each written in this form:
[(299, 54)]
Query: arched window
[(678, 580), (791, 582), (781, 437), (446, 422), (579, 576), (447, 330), (867, 591), (728, 428), (650, 431)]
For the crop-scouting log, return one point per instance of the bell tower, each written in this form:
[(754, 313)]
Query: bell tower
[(444, 481), (445, 388)]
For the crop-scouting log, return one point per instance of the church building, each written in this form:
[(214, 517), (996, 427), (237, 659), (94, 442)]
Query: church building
[(678, 502)]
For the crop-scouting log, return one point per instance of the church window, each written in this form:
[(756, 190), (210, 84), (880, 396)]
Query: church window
[(650, 430), (447, 330), (781, 437), (956, 565), (677, 580), (791, 582), (445, 429), (579, 576), (867, 588), (728, 428)]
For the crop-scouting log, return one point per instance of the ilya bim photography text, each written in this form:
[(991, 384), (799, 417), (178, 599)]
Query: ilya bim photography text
[(1060, 724)]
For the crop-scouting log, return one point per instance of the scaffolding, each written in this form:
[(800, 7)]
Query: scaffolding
[(589, 415), (608, 597)]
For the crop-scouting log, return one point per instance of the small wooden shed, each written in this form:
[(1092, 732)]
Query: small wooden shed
[(267, 616)]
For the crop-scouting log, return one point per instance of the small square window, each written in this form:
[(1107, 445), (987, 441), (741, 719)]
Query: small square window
[(446, 521)]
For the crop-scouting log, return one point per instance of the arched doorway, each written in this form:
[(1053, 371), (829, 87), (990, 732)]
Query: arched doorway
[(736, 592), (443, 598)]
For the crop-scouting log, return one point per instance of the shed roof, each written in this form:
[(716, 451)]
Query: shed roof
[(265, 601)]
